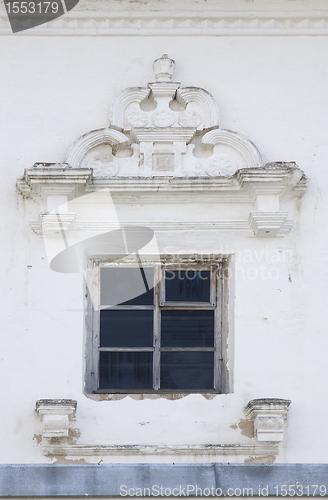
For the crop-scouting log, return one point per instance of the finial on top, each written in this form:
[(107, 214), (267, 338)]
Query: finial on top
[(163, 68)]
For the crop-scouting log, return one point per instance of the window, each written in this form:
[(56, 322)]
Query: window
[(156, 328)]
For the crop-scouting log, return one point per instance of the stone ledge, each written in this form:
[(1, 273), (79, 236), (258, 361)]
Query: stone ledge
[(258, 450)]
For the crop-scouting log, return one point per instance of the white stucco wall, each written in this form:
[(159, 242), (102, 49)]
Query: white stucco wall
[(272, 89)]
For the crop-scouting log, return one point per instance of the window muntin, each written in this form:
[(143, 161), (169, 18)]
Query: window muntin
[(164, 346)]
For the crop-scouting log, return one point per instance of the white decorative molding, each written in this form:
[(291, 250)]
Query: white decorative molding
[(148, 153), (221, 165), (280, 22), (163, 69), (54, 179), (52, 225), (92, 139), (123, 101), (55, 415), (161, 130), (257, 450), (206, 107), (239, 226), (245, 186), (43, 226), (241, 148), (169, 134), (269, 415), (268, 224)]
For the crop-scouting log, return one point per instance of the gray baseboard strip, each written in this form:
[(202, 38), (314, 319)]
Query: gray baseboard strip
[(163, 480)]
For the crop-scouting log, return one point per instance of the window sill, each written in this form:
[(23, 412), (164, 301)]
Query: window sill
[(112, 396)]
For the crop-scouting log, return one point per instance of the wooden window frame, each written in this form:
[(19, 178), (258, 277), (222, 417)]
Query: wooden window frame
[(218, 300)]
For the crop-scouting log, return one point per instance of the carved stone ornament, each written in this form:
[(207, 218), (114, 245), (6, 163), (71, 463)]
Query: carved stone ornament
[(55, 415), (164, 68), (102, 161), (163, 119), (165, 139), (221, 166), (269, 415)]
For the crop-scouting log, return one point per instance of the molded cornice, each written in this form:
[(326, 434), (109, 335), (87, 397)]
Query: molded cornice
[(181, 22), (244, 185)]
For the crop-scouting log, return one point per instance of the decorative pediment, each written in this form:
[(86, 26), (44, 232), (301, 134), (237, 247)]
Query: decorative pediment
[(164, 145), (159, 127)]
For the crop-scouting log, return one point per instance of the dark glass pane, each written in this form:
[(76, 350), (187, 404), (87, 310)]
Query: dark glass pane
[(126, 328), (126, 370), (128, 286), (187, 370), (187, 286), (187, 328)]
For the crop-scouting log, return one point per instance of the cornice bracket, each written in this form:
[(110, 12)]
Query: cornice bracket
[(269, 415), (55, 415)]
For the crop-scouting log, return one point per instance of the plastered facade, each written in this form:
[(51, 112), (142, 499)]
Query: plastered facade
[(269, 86)]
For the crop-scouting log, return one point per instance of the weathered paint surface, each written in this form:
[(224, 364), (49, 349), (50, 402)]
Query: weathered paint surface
[(271, 89)]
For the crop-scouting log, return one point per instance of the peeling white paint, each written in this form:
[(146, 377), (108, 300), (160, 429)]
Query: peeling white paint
[(271, 89)]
